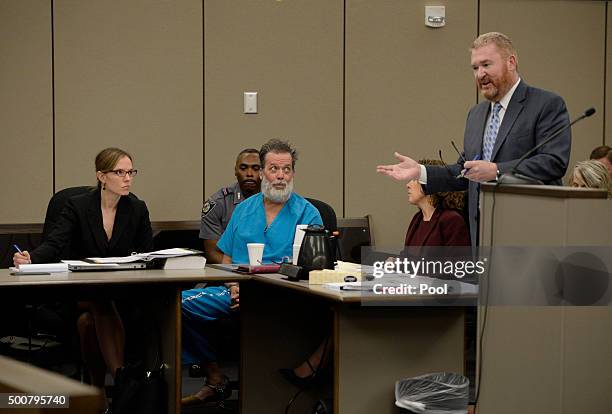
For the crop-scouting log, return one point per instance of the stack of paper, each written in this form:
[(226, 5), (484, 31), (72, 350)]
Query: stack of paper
[(174, 252), (159, 254), (320, 277), (185, 263)]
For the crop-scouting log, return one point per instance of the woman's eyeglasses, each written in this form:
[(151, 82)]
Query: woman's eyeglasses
[(123, 173)]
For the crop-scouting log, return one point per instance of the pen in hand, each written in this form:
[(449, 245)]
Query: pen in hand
[(21, 257), (465, 170)]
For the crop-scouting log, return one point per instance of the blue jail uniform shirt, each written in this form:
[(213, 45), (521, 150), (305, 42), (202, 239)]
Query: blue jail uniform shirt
[(248, 225)]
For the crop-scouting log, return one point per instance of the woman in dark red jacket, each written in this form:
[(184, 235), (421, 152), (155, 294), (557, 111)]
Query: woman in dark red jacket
[(439, 221)]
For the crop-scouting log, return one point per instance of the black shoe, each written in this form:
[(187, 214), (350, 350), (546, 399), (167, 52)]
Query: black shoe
[(302, 382)]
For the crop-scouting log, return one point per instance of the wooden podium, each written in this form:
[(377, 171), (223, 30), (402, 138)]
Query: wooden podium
[(538, 358)]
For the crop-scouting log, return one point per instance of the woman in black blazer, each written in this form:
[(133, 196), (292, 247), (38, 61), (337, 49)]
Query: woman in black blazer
[(108, 221)]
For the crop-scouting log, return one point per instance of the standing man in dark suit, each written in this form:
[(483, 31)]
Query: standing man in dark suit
[(514, 119)]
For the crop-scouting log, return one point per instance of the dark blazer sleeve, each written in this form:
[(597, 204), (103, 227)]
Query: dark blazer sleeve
[(442, 179), (60, 237)]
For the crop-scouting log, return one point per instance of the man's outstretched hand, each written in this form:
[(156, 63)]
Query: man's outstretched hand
[(407, 169)]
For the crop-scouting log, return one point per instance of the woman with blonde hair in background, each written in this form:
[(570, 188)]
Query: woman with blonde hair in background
[(591, 174)]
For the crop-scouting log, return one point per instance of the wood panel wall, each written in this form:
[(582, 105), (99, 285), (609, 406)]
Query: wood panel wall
[(129, 74), (290, 53), (26, 110), (410, 96), (347, 81)]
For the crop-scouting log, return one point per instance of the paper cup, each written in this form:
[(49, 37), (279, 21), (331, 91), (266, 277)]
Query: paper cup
[(255, 253), (299, 234), (296, 253)]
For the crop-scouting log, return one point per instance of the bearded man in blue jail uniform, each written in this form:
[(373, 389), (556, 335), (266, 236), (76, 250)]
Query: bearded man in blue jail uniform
[(269, 217), (514, 118), (217, 210)]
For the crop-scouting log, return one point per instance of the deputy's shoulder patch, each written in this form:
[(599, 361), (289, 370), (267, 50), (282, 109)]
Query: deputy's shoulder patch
[(208, 205)]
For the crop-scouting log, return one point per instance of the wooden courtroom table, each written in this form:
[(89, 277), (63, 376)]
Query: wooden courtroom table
[(282, 322), (160, 289), (374, 343), (18, 377)]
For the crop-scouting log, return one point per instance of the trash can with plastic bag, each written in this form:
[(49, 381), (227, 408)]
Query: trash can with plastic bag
[(437, 393)]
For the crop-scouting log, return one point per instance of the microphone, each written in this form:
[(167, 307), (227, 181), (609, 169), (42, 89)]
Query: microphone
[(514, 177)]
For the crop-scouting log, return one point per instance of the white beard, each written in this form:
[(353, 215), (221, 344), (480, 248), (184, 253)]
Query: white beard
[(275, 195)]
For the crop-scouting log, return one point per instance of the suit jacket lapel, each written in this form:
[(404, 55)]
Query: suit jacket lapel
[(480, 122), (122, 218), (94, 218), (514, 109)]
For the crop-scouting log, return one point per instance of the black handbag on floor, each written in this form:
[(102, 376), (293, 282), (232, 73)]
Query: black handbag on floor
[(137, 391)]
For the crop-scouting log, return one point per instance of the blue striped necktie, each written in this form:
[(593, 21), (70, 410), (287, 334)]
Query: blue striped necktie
[(491, 133)]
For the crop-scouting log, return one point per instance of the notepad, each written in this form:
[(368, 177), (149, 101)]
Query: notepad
[(39, 268)]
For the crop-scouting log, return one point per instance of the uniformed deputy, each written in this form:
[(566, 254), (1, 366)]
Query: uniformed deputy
[(200, 306), (218, 209)]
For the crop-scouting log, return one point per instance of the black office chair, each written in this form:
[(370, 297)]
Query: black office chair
[(330, 221), (355, 233), (50, 320), (327, 214), (30, 241), (57, 204)]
